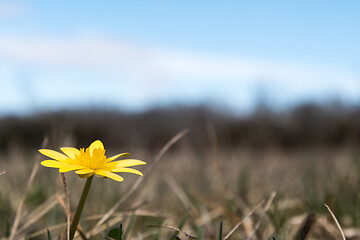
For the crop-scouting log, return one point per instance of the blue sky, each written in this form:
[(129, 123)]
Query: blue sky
[(134, 55)]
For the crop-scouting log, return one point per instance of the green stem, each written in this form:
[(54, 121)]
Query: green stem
[(80, 207)]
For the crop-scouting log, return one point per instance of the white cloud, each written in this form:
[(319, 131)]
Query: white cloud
[(161, 73), (107, 54)]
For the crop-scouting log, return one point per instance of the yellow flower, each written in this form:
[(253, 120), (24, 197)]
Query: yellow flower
[(90, 161)]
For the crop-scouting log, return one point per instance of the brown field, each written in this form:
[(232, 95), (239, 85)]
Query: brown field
[(257, 186)]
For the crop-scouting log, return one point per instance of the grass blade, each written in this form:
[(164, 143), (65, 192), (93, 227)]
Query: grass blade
[(306, 226), (18, 215), (129, 226), (242, 221), (220, 231), (120, 235), (48, 234), (180, 226), (336, 222)]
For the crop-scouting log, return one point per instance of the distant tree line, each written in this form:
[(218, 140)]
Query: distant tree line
[(307, 125)]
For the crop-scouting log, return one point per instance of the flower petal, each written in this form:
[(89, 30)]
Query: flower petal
[(128, 170), (129, 163), (69, 168), (53, 164), (109, 175), (53, 154), (95, 145), (117, 156), (71, 152)]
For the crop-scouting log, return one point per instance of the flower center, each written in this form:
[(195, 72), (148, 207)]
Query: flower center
[(94, 160)]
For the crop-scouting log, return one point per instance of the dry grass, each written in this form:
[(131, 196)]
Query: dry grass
[(190, 192)]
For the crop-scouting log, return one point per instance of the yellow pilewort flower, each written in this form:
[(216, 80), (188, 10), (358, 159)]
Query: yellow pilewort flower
[(90, 161)]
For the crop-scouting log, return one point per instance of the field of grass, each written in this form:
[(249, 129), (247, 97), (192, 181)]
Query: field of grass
[(220, 193)]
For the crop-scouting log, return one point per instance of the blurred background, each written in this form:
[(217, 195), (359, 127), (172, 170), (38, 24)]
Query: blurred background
[(283, 64), (269, 91)]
